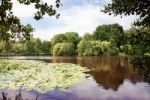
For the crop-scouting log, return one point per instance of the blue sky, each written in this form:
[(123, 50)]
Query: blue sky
[(75, 16)]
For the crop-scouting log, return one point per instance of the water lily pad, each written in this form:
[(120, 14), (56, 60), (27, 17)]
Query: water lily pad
[(38, 75)]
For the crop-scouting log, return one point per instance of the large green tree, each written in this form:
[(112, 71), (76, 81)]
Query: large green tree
[(10, 25), (95, 48), (139, 40), (110, 32), (64, 49), (71, 37), (102, 33), (131, 7)]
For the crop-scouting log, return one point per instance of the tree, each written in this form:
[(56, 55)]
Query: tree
[(117, 35), (84, 48), (95, 48), (63, 49), (59, 38), (10, 25), (131, 7), (46, 47), (30, 47), (111, 32), (101, 33), (34, 46), (87, 36), (139, 40), (18, 48), (72, 37)]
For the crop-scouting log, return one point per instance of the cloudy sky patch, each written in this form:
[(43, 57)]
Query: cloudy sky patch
[(76, 16)]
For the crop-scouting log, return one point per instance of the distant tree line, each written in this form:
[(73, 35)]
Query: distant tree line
[(33, 47), (105, 40)]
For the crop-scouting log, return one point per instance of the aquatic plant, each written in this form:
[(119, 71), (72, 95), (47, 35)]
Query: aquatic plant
[(38, 75)]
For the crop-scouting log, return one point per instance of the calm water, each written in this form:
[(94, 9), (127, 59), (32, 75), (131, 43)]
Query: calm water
[(111, 78)]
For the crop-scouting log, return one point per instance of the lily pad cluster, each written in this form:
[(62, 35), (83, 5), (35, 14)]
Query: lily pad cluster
[(38, 75)]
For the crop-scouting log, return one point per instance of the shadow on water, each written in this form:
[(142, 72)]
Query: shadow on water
[(111, 78), (142, 66)]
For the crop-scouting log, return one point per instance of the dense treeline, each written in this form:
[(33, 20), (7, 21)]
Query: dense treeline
[(105, 40), (32, 47)]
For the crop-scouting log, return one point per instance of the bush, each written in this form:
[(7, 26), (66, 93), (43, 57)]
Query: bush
[(63, 49)]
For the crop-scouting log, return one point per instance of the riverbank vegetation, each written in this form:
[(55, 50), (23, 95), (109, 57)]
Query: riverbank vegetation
[(105, 40)]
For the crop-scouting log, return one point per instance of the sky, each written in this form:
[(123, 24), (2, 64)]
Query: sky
[(80, 16)]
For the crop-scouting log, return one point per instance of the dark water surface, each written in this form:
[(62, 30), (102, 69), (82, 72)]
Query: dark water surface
[(111, 78)]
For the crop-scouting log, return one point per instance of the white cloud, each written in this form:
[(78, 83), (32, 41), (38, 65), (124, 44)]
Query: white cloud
[(108, 1), (83, 19), (78, 18), (21, 10)]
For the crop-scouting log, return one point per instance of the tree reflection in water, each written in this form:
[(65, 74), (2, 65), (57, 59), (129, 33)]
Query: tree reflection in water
[(108, 71), (111, 78), (142, 66)]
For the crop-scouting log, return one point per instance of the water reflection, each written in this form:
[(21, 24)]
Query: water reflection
[(142, 66), (89, 90), (111, 78), (107, 71), (56, 94)]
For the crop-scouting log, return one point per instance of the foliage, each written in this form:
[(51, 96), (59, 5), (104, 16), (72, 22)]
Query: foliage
[(10, 25), (105, 40), (18, 48), (108, 49), (63, 49), (32, 47), (131, 7), (40, 76), (147, 54), (59, 38), (84, 48), (87, 36), (101, 33), (139, 39), (127, 49), (112, 32), (95, 48), (46, 47), (70, 37), (5, 47), (65, 44), (2, 46), (117, 36)]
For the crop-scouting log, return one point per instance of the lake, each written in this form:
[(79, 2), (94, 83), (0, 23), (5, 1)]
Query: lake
[(110, 78)]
